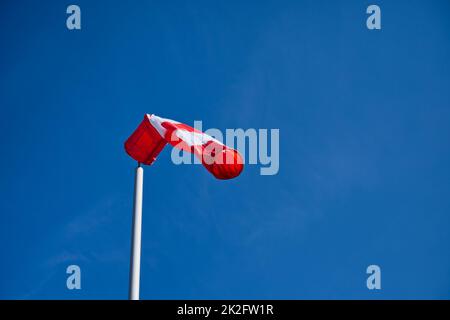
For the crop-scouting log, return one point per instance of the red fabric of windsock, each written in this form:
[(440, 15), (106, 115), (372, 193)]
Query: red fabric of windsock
[(154, 132)]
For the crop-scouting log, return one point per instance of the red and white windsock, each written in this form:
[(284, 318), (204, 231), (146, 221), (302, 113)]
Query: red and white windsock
[(151, 136)]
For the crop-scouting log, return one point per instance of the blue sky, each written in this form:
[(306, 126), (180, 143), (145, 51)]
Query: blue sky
[(364, 148)]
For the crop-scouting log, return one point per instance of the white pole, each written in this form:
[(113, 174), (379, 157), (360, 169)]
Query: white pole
[(135, 263)]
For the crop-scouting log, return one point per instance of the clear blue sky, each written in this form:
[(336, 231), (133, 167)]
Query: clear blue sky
[(364, 161)]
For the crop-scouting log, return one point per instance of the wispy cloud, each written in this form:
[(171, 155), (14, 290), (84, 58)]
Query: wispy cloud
[(95, 218), (65, 257)]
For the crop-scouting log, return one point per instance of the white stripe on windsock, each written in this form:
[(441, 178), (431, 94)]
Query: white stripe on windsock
[(156, 122), (191, 138)]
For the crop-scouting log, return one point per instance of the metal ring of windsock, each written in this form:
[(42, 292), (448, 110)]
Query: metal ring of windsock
[(154, 132)]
